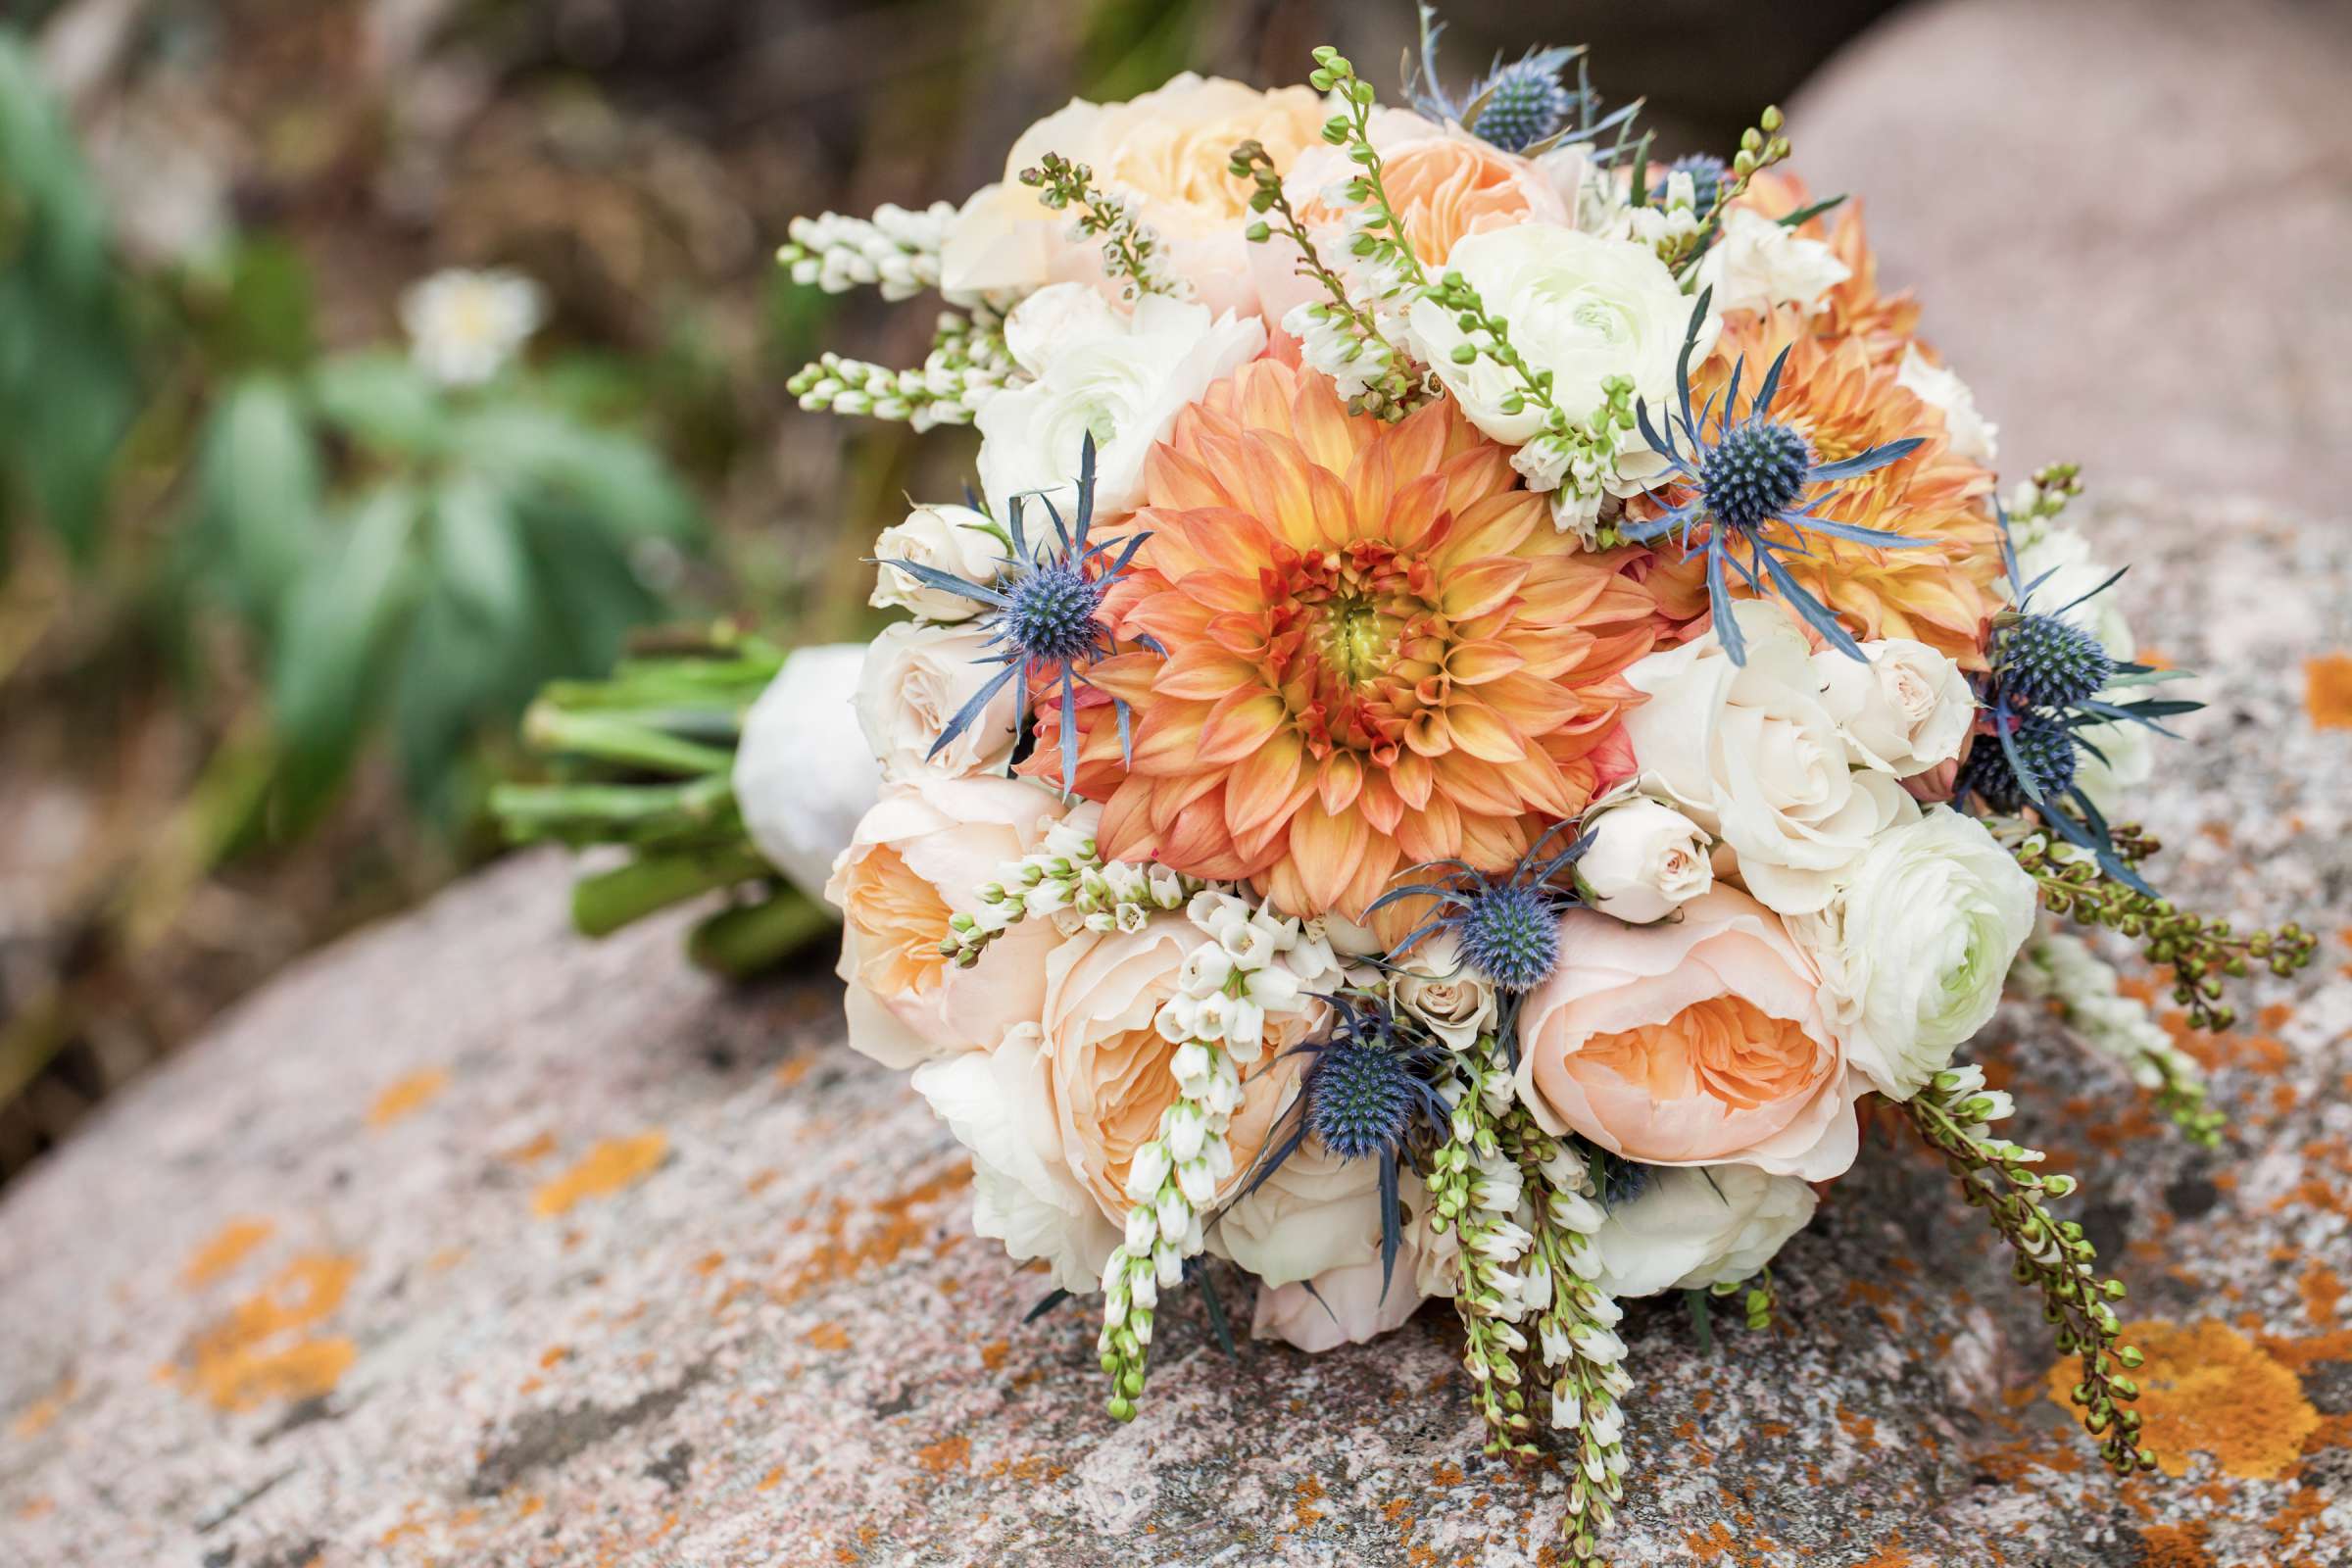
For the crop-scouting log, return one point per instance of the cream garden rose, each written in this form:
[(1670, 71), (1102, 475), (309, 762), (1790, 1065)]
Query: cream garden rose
[(803, 775), (1905, 710), (1341, 1306), (1753, 756), (1434, 985), (999, 1105), (913, 681), (1580, 306), (952, 539), (1313, 1213), (919, 858), (1647, 860), (1688, 1229), (1169, 151), (1121, 377), (1914, 949)]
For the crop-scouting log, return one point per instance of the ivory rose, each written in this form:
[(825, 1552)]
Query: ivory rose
[(1696, 1042), (920, 856), (1110, 1066), (1312, 1213), (1433, 984), (1752, 755), (1341, 1306), (1120, 376), (999, 1105), (1905, 710), (804, 774), (1972, 435), (1647, 860), (952, 539), (1688, 1229), (914, 680), (1170, 151)]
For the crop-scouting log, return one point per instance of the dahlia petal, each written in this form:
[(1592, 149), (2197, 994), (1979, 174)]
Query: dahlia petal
[(1238, 725), (1261, 782), (1480, 586), (1382, 806), (1414, 779), (1198, 675), (1426, 734), (1326, 432), (1472, 786), (1480, 731), (1494, 527), (1474, 663), (1326, 850), (1340, 781)]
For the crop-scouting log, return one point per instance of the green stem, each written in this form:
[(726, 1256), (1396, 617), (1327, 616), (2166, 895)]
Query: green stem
[(611, 738), (601, 813), (745, 940), (603, 904)]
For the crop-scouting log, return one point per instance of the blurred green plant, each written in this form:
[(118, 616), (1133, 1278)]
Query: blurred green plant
[(645, 761), (69, 378)]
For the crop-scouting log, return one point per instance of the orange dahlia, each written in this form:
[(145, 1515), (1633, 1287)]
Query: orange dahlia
[(1845, 400), (1377, 652)]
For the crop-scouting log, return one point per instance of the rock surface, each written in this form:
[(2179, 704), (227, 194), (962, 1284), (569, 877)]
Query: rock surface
[(2134, 215), (470, 1243)]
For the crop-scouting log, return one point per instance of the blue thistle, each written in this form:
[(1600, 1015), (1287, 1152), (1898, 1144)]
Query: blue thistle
[(2048, 663), (2034, 747), (1707, 173), (1044, 613), (1522, 107), (1749, 475), (1368, 1094), (1507, 926)]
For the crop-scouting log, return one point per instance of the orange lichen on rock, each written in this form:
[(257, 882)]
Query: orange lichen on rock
[(36, 1416), (2174, 1546), (895, 1230), (948, 1454), (2328, 690), (405, 1096), (609, 1166), (261, 1349), (2207, 1388), (224, 1250)]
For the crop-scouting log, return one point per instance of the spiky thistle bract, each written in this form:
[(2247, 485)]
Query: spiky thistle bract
[(1044, 611), (1522, 106), (1505, 926), (1755, 490)]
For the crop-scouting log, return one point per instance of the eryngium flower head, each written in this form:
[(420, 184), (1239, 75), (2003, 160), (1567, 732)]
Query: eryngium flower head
[(2044, 661), (2043, 744), (1757, 470), (1525, 102), (1510, 932), (1361, 1098)]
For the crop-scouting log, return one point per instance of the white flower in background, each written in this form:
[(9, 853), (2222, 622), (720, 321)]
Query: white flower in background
[(1433, 984), (914, 680), (1752, 755), (1759, 263), (999, 1105), (1971, 434), (1648, 859), (1100, 370), (1584, 308), (1906, 710), (2057, 566), (952, 539), (1692, 1227), (804, 774), (1914, 949), (2125, 759), (464, 326)]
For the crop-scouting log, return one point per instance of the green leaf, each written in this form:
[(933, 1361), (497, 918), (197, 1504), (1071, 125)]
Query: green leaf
[(618, 484), (262, 493), (381, 401), (478, 555), (326, 673)]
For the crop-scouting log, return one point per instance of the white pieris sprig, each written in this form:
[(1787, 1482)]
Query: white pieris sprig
[(1477, 1191), (1254, 972), (2060, 968), (897, 250), (967, 365), (1067, 880)]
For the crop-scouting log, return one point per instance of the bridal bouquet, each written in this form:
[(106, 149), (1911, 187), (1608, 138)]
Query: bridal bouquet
[(1483, 711)]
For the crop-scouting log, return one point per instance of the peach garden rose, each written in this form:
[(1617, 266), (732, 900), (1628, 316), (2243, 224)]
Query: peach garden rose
[(1692, 1043)]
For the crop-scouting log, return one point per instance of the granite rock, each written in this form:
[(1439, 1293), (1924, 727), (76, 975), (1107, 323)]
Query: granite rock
[(2129, 218), (471, 1242)]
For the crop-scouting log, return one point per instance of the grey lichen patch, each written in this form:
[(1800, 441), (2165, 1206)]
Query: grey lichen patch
[(544, 1438)]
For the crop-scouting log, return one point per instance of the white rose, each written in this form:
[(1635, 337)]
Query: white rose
[(1345, 1306), (1648, 859), (1758, 263), (916, 678), (1691, 1227), (804, 774), (1905, 711), (1434, 985), (1971, 434), (1313, 1213), (999, 1105), (952, 539), (1913, 951), (2057, 566), (1121, 377), (1580, 306), (1750, 752)]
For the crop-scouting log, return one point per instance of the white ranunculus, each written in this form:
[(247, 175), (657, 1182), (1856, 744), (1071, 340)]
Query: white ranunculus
[(1434, 985), (1913, 951), (1313, 1213), (2057, 566), (1759, 263), (916, 680), (1648, 859), (952, 539), (804, 774), (1971, 434), (1123, 378), (1906, 710), (1582, 306), (1691, 1227), (1752, 755), (999, 1105)]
